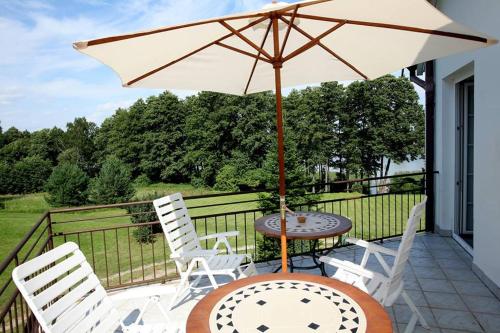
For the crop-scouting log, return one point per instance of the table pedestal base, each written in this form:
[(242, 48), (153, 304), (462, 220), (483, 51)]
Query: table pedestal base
[(315, 254)]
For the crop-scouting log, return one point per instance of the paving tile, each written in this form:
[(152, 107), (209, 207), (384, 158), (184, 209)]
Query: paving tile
[(457, 274), (429, 273), (411, 284), (445, 300), (458, 320), (472, 288), (416, 296), (436, 245), (423, 262), (436, 285), (420, 253), (419, 329), (444, 254), (482, 304), (453, 263), (490, 322), (402, 313)]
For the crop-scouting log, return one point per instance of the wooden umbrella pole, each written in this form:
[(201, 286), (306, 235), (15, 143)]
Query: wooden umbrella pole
[(277, 64)]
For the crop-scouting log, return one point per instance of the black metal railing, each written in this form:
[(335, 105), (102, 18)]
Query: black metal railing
[(123, 253)]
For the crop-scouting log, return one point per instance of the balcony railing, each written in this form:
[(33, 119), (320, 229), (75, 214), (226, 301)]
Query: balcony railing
[(108, 237)]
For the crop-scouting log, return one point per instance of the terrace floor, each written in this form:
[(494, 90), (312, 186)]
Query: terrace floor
[(439, 279)]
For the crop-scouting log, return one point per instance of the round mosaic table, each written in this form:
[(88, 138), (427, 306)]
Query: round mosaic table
[(318, 226), (288, 303)]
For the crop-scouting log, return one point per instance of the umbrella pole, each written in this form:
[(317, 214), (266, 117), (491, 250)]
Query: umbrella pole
[(277, 64)]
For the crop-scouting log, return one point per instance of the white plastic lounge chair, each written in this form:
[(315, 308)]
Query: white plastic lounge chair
[(186, 250), (384, 288), (65, 295)]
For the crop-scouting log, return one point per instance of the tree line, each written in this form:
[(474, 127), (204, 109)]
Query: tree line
[(223, 141)]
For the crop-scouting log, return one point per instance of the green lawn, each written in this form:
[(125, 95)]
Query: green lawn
[(118, 258)]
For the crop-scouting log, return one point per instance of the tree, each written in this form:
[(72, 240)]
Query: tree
[(218, 124), (80, 136), (387, 122), (67, 186), (13, 134), (113, 184), (1, 137), (296, 179), (15, 150), (162, 157), (47, 143), (30, 174)]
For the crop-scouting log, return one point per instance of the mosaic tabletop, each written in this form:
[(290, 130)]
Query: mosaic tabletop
[(317, 225), (285, 302)]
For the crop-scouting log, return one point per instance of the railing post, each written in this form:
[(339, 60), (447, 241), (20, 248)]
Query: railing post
[(49, 231), (429, 144)]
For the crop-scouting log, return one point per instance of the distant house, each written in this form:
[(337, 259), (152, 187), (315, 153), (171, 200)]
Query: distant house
[(467, 141)]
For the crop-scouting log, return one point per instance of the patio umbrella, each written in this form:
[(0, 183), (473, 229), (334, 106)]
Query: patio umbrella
[(285, 45)]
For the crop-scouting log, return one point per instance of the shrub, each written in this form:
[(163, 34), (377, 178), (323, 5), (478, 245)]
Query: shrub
[(144, 213), (142, 180), (113, 184), (404, 184), (227, 179), (67, 186)]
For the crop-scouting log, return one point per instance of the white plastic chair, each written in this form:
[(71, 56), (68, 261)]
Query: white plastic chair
[(186, 250), (65, 295), (384, 288)]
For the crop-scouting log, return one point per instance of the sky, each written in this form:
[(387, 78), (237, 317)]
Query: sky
[(44, 82)]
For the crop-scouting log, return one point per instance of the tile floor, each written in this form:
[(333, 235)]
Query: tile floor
[(438, 278)]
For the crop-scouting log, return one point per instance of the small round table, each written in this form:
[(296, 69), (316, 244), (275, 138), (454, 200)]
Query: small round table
[(318, 225), (288, 303)]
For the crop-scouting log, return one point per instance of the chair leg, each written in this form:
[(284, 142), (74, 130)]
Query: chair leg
[(142, 311), (416, 315), (196, 281), (210, 275), (180, 289)]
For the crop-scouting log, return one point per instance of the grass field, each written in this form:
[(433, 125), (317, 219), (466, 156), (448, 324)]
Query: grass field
[(118, 258)]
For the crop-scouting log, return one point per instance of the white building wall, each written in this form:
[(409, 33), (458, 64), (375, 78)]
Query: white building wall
[(484, 64)]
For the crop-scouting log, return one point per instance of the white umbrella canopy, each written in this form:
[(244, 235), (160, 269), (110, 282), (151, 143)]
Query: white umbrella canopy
[(285, 45), (361, 39)]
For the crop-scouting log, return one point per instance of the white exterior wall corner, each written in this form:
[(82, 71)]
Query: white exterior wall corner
[(481, 15)]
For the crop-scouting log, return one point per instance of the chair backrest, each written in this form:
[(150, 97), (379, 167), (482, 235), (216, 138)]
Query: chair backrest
[(63, 292), (395, 284), (176, 224)]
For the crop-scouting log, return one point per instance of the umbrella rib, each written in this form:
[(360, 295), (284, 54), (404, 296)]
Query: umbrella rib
[(245, 39), (111, 39), (327, 49), (287, 34), (235, 49), (256, 60), (312, 42), (394, 27), (300, 5), (143, 76)]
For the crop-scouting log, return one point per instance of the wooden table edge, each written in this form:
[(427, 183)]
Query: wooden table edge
[(377, 319)]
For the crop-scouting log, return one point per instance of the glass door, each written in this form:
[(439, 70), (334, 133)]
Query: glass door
[(465, 161)]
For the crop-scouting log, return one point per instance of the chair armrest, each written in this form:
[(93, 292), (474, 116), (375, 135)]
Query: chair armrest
[(372, 247), (220, 235), (141, 292), (194, 254), (348, 266)]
